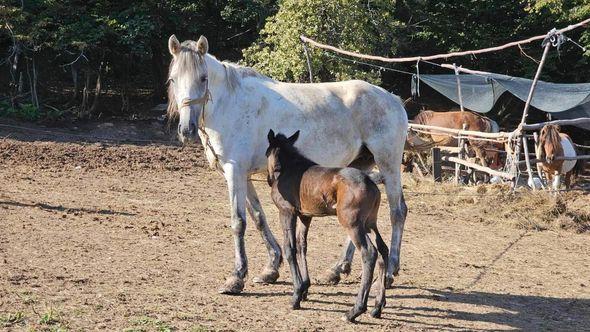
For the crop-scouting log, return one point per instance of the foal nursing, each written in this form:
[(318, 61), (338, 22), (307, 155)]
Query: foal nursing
[(301, 188)]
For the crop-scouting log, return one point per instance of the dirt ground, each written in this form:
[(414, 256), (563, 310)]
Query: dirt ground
[(136, 237)]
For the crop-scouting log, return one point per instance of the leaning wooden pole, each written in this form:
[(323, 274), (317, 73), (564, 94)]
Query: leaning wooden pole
[(527, 105), (306, 51)]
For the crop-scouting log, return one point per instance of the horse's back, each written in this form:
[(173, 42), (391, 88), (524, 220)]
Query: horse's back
[(568, 151)]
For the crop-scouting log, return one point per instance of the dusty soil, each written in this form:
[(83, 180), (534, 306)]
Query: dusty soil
[(114, 237)]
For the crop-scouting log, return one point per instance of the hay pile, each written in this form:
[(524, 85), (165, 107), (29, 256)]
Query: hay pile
[(496, 203)]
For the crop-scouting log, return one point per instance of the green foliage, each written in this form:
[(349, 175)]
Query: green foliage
[(27, 112), (361, 26)]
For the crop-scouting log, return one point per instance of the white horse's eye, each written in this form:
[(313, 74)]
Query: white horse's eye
[(203, 78), (169, 81)]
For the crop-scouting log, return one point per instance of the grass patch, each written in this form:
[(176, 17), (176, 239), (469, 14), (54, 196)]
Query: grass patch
[(12, 319), (145, 324)]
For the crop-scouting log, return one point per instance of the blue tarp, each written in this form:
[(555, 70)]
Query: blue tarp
[(480, 93)]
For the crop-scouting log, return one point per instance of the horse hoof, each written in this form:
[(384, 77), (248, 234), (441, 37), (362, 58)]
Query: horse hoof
[(232, 286), (388, 282), (348, 319), (330, 278), (268, 276), (295, 305), (376, 313), (304, 296)]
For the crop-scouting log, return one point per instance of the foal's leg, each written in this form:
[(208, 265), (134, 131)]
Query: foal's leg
[(343, 265), (302, 229), (382, 263), (236, 184), (288, 221), (369, 257), (270, 273)]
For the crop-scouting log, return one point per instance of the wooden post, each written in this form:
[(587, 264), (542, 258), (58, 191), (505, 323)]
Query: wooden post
[(528, 163), (308, 61), (459, 95), (537, 147), (436, 165)]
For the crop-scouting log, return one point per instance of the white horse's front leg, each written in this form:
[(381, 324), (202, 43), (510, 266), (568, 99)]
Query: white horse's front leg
[(270, 274), (237, 185)]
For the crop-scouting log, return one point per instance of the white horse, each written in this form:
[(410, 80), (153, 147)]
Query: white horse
[(232, 108)]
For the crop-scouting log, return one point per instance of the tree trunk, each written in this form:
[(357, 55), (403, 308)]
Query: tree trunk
[(97, 91)]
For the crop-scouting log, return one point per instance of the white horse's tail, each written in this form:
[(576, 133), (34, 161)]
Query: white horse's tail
[(376, 177)]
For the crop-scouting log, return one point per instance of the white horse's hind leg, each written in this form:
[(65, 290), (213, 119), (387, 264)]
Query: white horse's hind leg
[(270, 273), (388, 153), (332, 276), (237, 186)]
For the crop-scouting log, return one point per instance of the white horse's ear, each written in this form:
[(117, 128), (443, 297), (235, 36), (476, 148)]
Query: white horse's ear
[(202, 45), (271, 135), (293, 138), (173, 45)]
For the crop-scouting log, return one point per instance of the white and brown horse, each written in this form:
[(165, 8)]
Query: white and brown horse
[(232, 108), (552, 145)]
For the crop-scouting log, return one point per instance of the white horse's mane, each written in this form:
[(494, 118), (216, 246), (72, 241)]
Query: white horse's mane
[(236, 72)]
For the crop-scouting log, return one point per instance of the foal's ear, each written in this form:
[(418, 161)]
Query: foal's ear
[(293, 138), (271, 135), (202, 45), (173, 45)]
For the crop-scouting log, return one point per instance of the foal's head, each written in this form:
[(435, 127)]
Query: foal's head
[(550, 143), (276, 145)]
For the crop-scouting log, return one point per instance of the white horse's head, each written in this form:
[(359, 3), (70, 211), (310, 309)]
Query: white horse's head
[(188, 84)]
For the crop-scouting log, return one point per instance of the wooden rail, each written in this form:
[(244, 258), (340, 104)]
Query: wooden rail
[(581, 157), (568, 122), (477, 167), (435, 130)]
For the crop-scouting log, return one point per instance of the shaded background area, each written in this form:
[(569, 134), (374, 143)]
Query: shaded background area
[(67, 60)]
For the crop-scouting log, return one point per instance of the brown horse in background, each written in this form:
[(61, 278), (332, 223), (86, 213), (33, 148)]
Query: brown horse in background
[(486, 151), (554, 144)]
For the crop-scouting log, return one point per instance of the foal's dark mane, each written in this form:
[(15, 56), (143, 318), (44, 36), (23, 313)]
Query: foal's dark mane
[(289, 156)]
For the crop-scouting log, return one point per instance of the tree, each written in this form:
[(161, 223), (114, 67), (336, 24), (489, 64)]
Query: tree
[(367, 27)]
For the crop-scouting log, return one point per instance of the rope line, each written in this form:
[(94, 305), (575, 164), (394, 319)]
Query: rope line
[(367, 64)]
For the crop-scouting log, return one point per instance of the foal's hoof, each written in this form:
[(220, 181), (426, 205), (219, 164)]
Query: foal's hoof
[(233, 285), (268, 276), (330, 278)]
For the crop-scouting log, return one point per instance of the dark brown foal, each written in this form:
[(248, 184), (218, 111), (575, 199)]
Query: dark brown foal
[(301, 188)]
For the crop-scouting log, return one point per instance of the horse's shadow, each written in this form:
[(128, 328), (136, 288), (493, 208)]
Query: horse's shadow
[(460, 309)]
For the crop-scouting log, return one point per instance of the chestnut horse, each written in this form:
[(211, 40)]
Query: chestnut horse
[(486, 151), (301, 188), (554, 144)]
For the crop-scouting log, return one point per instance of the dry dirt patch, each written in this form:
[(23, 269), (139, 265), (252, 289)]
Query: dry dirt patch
[(138, 238)]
